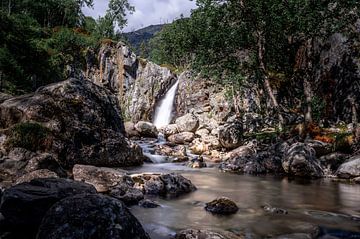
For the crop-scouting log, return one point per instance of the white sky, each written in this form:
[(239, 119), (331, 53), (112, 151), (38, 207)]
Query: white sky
[(147, 12)]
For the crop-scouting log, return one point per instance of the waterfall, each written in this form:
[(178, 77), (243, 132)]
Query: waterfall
[(164, 109)]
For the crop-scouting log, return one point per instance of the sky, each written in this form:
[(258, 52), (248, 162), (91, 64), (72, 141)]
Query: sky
[(147, 12)]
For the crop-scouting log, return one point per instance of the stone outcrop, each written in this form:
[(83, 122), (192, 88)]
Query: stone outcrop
[(90, 216), (76, 121), (187, 123), (137, 83)]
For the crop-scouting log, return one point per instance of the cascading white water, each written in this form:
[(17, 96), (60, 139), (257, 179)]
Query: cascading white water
[(164, 109)]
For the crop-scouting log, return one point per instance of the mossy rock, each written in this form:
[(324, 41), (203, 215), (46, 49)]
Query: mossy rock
[(29, 135)]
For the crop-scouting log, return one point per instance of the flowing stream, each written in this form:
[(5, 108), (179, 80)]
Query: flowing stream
[(332, 206), (164, 109)]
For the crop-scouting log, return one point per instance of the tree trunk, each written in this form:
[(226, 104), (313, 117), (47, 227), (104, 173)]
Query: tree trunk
[(307, 84), (9, 8), (267, 86), (1, 82), (354, 107)]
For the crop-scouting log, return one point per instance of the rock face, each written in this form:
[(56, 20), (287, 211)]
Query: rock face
[(76, 121), (24, 205), (300, 160), (187, 123), (231, 135), (137, 83), (147, 129), (167, 185), (222, 205), (350, 169), (90, 216)]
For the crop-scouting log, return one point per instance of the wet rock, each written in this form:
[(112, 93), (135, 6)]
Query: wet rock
[(274, 210), (103, 179), (300, 160), (80, 122), (321, 148), (252, 122), (197, 163), (167, 185), (25, 204), (356, 180), (169, 130), (181, 138), (147, 129), (222, 206), (231, 135), (198, 147), (127, 194), (205, 234), (187, 123), (350, 169), (178, 152), (147, 203), (131, 130), (90, 216), (41, 173), (297, 236)]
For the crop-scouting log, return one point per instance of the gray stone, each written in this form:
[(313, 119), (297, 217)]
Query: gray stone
[(300, 160), (103, 179), (187, 123), (350, 169), (231, 135), (146, 129)]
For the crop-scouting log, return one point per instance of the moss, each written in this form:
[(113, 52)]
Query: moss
[(28, 135)]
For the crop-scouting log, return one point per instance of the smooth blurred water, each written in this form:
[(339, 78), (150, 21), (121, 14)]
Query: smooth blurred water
[(164, 109), (309, 203)]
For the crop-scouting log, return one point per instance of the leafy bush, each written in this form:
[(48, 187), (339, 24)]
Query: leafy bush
[(31, 136)]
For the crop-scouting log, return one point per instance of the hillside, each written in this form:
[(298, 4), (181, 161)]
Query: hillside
[(137, 37)]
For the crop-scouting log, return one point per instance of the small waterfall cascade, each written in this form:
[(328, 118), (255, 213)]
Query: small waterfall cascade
[(164, 109)]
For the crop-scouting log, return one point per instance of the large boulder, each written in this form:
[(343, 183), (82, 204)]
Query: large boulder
[(90, 216), (182, 138), (103, 179), (147, 129), (166, 185), (231, 135), (300, 160), (321, 148), (350, 169), (24, 205), (187, 123), (75, 120)]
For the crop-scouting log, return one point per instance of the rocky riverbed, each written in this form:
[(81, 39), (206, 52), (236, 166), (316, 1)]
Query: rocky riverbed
[(70, 166)]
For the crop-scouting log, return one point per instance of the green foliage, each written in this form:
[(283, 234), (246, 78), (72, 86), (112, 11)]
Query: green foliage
[(31, 136), (223, 38), (41, 40), (318, 106)]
